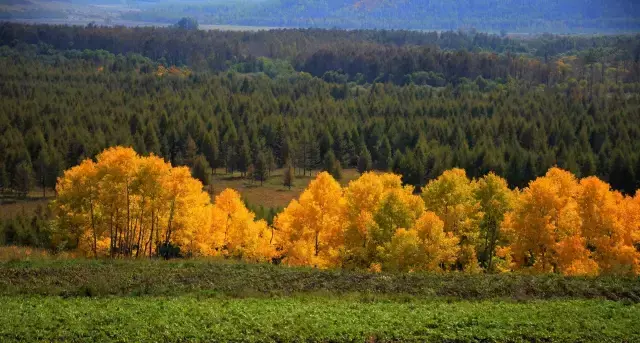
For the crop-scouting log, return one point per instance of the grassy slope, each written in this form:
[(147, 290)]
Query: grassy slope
[(223, 278), (182, 319)]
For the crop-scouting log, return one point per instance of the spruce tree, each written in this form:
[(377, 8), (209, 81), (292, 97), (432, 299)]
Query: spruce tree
[(200, 169), (364, 161), (261, 172), (332, 165), (23, 178), (211, 152), (190, 151), (385, 155), (289, 175)]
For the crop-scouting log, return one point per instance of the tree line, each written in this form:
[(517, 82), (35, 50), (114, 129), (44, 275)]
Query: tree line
[(382, 50), (124, 204)]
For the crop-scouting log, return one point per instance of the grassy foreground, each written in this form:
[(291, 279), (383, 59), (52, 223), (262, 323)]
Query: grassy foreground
[(239, 280), (220, 301), (317, 319)]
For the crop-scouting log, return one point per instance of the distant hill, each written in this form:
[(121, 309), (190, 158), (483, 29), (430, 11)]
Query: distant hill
[(485, 15), (514, 16)]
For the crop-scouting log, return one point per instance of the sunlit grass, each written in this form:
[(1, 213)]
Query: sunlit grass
[(312, 319)]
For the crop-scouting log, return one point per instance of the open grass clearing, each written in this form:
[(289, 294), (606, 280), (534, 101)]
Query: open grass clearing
[(272, 192)]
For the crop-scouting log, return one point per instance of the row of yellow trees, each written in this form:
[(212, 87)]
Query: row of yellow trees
[(127, 205)]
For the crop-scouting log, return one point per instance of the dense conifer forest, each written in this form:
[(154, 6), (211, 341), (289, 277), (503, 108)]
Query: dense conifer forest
[(413, 103)]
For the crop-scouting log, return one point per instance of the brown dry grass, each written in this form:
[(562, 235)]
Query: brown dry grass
[(12, 205), (14, 253)]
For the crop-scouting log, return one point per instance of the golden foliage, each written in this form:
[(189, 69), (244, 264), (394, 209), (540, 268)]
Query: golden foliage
[(234, 231), (452, 197), (127, 205), (544, 224), (424, 247), (376, 206), (495, 200), (311, 229), (608, 223), (560, 224)]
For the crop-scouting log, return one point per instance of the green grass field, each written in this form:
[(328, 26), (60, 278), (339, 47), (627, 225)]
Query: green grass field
[(312, 319), (222, 301)]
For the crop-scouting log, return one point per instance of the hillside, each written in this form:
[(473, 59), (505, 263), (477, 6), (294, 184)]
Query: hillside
[(537, 16), (484, 15)]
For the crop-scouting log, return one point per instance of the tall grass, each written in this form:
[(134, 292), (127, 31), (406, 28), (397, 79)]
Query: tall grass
[(16, 253)]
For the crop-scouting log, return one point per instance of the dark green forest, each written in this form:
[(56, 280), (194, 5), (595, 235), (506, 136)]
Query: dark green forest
[(414, 103)]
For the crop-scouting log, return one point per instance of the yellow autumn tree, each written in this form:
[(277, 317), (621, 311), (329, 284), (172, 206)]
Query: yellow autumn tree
[(127, 205), (544, 227), (78, 207), (310, 231), (149, 182), (424, 247), (608, 221), (363, 197), (627, 252), (188, 223), (495, 200), (451, 197), (234, 232), (398, 208), (404, 252)]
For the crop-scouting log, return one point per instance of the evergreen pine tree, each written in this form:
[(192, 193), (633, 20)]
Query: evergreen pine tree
[(385, 155), (244, 157), (190, 151), (23, 178), (42, 165), (211, 152), (332, 165), (289, 175), (364, 161), (200, 169), (262, 168)]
